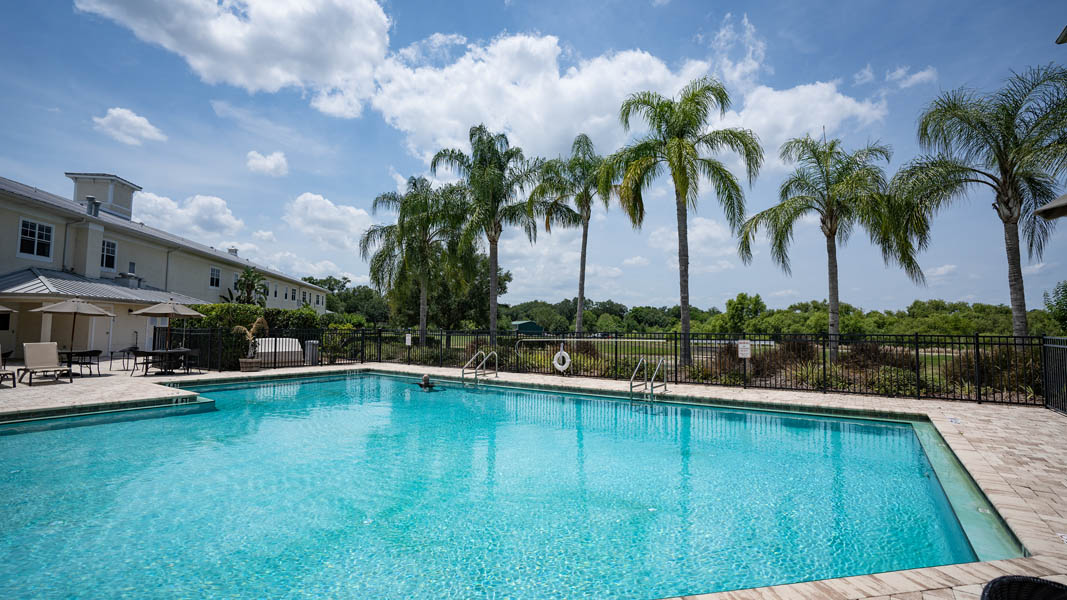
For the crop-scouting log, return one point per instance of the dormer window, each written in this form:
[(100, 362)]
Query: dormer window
[(107, 255)]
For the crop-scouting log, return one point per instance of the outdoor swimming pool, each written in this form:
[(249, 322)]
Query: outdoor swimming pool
[(363, 486)]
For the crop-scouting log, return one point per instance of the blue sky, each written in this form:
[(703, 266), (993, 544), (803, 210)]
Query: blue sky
[(272, 128)]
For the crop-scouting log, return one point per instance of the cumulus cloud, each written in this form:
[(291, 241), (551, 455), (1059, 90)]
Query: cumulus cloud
[(328, 47), (273, 164), (635, 261), (201, 218), (127, 127), (741, 72), (783, 293), (904, 78), (864, 75), (940, 273), (336, 226), (1035, 268), (710, 242), (264, 236), (516, 83)]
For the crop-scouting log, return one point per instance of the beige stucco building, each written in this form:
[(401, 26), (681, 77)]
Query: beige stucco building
[(54, 248)]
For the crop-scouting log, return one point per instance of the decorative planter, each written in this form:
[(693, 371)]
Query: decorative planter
[(249, 364)]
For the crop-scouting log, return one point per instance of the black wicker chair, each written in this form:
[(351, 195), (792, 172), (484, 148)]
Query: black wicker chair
[(1017, 587)]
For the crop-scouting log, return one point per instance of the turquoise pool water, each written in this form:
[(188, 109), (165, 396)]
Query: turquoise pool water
[(367, 487)]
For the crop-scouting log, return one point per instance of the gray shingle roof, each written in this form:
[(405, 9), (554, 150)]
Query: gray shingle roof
[(75, 209), (48, 283)]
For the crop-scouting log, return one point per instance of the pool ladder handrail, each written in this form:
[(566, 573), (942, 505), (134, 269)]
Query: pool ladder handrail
[(481, 366), (648, 385)]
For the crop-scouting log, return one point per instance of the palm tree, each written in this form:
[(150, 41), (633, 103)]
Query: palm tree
[(1011, 141), (844, 190), (251, 288), (421, 242), (679, 143), (564, 180), (495, 174)]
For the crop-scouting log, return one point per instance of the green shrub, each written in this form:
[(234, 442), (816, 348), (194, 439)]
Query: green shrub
[(892, 381), (224, 316), (866, 355), (1009, 368), (811, 373)]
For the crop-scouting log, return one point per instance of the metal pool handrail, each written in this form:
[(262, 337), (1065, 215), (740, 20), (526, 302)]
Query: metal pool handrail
[(463, 372), (644, 383), (481, 366), (652, 387)]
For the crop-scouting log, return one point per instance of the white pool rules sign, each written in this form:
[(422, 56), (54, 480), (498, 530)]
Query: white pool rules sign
[(744, 348)]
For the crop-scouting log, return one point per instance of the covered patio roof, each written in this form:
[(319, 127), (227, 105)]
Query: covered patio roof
[(33, 284)]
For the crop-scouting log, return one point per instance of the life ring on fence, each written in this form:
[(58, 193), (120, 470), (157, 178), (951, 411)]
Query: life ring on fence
[(562, 360)]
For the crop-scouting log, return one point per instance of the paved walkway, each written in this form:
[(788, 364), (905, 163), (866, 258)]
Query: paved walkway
[(1016, 454)]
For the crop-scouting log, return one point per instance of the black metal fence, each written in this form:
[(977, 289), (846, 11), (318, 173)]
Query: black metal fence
[(1056, 373), (1001, 369)]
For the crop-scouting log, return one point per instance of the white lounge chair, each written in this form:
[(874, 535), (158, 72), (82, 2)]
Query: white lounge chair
[(42, 358)]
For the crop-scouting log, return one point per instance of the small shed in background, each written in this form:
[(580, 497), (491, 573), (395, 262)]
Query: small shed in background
[(528, 328)]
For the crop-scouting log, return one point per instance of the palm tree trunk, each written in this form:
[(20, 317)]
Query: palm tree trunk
[(1015, 279), (683, 278), (834, 301), (492, 290), (581, 277), (423, 308)]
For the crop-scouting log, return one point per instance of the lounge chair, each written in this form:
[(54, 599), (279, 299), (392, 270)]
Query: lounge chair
[(43, 358), (4, 371)]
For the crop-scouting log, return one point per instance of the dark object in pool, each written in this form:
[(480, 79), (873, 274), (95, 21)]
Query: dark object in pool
[(426, 384), (1017, 587)]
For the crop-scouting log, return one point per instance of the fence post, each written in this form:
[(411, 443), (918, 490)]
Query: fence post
[(615, 365), (441, 349), (676, 358), (379, 345), (918, 377), (823, 353), (219, 331), (977, 370)]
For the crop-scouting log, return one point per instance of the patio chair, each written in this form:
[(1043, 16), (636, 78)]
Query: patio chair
[(191, 360), (141, 358), (4, 372), (1017, 587), (125, 354), (43, 358), (87, 359)]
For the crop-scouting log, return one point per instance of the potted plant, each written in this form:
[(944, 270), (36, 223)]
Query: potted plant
[(258, 329)]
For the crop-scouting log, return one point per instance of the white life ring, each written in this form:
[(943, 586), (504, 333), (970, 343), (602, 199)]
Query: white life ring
[(562, 360)]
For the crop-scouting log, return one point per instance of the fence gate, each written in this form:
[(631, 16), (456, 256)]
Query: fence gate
[(1056, 373)]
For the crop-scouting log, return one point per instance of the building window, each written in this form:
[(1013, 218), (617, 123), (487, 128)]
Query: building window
[(316, 299), (236, 277), (215, 278), (286, 294), (5, 321), (107, 255), (276, 290), (304, 297), (133, 268), (35, 239), (294, 294)]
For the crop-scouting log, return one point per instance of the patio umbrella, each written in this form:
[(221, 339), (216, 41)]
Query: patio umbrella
[(170, 310), (1055, 209), (74, 307)]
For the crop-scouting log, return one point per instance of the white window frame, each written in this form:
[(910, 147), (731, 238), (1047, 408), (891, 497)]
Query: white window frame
[(114, 256), (216, 278), (294, 294), (51, 245), (133, 267), (303, 297)]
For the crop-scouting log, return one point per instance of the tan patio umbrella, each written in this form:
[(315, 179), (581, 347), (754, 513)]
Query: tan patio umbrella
[(170, 310), (1054, 210), (75, 307)]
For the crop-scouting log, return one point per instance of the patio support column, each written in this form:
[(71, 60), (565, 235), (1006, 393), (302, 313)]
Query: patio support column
[(46, 325)]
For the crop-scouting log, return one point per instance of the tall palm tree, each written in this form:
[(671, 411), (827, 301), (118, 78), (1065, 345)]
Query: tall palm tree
[(421, 242), (680, 144), (1012, 142), (572, 179), (495, 174), (844, 189)]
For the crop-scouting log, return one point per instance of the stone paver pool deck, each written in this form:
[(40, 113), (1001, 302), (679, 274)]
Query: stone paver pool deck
[(1016, 454)]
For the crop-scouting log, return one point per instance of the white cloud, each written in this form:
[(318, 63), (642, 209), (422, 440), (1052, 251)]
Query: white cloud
[(743, 72), (709, 243), (264, 236), (903, 77), (437, 47), (201, 218), (127, 127), (273, 164), (864, 75), (1035, 268), (515, 83), (939, 274), (635, 261), (336, 226), (783, 293), (327, 47)]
